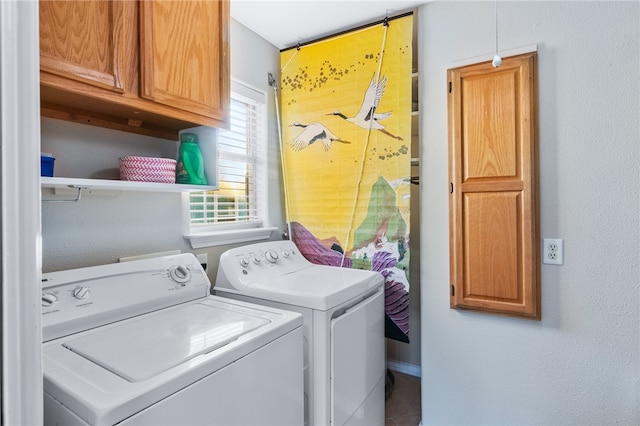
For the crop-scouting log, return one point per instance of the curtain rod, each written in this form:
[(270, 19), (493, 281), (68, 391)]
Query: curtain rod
[(381, 21)]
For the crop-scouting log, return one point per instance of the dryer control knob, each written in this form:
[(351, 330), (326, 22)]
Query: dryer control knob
[(81, 293), (180, 274), (48, 299), (271, 256)]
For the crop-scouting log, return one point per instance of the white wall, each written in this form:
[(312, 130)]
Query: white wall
[(580, 365), (104, 226)]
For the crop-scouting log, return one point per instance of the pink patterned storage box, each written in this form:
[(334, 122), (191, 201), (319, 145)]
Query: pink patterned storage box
[(148, 169)]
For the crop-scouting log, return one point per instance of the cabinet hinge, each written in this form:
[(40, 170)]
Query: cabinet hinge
[(450, 87), (453, 291)]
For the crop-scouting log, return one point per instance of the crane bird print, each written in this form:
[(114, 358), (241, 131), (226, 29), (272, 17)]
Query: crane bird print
[(367, 117), (312, 133)]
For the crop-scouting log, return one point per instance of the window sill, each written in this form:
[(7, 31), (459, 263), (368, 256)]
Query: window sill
[(232, 236)]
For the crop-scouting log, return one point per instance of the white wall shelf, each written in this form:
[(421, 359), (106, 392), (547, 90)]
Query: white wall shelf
[(119, 185), (208, 146)]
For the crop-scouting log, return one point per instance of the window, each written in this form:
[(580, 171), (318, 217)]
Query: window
[(231, 213)]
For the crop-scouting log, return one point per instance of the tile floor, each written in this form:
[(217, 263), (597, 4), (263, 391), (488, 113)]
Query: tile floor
[(403, 406)]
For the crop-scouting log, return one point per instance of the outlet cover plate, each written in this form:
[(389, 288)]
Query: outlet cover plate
[(553, 251)]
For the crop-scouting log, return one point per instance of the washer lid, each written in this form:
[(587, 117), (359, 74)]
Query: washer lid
[(143, 348)]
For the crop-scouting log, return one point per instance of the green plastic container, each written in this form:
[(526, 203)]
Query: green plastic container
[(190, 167)]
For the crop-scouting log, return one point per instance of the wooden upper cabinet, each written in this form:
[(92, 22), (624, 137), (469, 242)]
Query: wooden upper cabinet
[(84, 41), (181, 50), (149, 67), (493, 219)]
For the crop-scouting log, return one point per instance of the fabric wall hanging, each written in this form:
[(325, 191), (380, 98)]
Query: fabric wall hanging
[(346, 132)]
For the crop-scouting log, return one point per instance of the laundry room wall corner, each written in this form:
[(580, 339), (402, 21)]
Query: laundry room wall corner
[(105, 226)]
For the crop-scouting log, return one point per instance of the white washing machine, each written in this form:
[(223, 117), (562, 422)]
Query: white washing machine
[(343, 316), (143, 343)]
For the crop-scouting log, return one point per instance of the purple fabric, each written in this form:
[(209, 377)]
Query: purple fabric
[(313, 250)]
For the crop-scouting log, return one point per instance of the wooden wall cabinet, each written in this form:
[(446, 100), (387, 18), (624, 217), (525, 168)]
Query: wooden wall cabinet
[(149, 67), (493, 222)]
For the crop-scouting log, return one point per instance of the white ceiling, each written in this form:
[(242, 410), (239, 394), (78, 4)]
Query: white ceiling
[(287, 23)]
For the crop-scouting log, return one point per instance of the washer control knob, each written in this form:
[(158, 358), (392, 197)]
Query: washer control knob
[(256, 259), (180, 274), (244, 262), (271, 256), (48, 299), (285, 253), (81, 293)]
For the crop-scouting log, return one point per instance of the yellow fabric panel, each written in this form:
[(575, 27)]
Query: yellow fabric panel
[(333, 76)]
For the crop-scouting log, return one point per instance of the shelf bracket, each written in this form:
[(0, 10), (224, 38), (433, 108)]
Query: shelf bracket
[(74, 200)]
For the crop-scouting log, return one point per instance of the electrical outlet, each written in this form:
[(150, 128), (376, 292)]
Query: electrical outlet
[(202, 258), (553, 251)]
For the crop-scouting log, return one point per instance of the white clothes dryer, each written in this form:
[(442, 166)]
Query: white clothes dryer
[(144, 343), (343, 317)]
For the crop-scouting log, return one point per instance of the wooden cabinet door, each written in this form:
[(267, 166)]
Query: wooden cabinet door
[(184, 55), (494, 244), (84, 41)]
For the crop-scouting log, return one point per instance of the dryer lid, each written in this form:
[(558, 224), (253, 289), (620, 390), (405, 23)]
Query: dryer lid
[(317, 287), (143, 348)]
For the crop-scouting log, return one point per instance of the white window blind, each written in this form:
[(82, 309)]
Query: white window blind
[(235, 202)]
